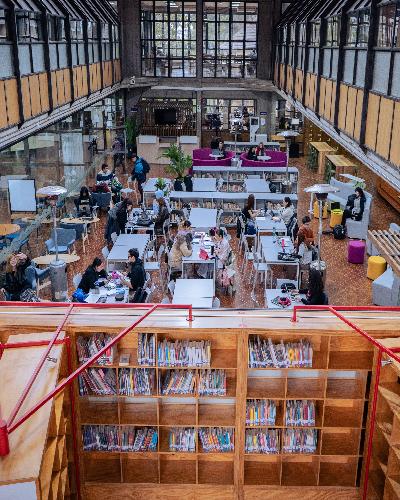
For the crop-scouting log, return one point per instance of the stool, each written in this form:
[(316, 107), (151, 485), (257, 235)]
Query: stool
[(356, 251), (376, 267), (336, 217), (316, 210)]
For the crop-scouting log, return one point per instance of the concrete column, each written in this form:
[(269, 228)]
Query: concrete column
[(129, 13), (266, 104)]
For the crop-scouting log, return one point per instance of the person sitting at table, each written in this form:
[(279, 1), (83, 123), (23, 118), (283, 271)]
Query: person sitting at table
[(161, 217), (252, 155), (306, 229), (221, 149), (95, 272), (16, 281), (84, 202), (315, 295), (221, 248), (260, 150), (124, 212), (249, 215), (181, 247), (304, 252), (355, 206), (136, 276), (105, 175), (215, 143), (160, 194), (287, 211)]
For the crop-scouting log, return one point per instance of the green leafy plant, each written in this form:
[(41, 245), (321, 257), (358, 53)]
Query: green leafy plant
[(180, 162), (160, 183), (132, 130)]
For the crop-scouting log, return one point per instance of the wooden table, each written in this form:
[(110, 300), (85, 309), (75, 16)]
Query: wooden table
[(79, 220), (45, 260), (341, 164), (6, 229), (323, 149)]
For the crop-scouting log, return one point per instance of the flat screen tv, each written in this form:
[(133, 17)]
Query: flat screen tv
[(165, 116)]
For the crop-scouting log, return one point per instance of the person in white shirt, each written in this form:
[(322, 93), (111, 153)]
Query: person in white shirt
[(221, 248), (304, 252), (287, 210)]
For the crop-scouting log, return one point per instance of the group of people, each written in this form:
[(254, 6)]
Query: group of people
[(256, 151)]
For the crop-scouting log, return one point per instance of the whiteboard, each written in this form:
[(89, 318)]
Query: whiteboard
[(22, 195)]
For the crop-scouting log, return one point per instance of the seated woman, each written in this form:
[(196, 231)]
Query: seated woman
[(180, 248), (260, 150), (287, 211), (84, 202), (221, 149), (221, 248), (252, 155), (16, 281), (93, 273), (355, 206), (315, 292)]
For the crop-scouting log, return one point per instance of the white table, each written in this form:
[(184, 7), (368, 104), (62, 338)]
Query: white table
[(93, 298), (204, 218), (199, 293), (119, 253), (271, 246), (204, 184), (216, 157), (271, 293), (256, 186), (267, 225), (195, 259), (150, 185), (138, 241), (263, 158)]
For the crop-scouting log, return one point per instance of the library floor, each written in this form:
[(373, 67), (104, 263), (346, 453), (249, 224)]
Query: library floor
[(346, 284)]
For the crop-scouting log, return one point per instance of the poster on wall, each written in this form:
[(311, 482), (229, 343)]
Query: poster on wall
[(22, 195)]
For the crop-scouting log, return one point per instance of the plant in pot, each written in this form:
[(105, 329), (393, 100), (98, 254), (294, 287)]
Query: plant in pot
[(179, 164), (162, 185), (132, 130)]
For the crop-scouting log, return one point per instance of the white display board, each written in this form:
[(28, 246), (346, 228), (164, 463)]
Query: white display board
[(22, 195)]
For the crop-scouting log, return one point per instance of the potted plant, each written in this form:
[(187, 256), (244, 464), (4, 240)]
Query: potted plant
[(180, 163), (162, 185), (132, 130)]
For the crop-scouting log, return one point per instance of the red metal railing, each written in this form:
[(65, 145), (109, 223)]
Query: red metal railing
[(381, 349), (6, 427)]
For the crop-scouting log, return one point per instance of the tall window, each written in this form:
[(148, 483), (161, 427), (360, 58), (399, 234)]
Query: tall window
[(30, 42), (93, 41), (57, 42), (358, 28), (168, 35), (389, 22), (29, 26), (224, 108), (315, 33), (332, 31), (77, 43), (230, 39), (115, 40), (105, 41)]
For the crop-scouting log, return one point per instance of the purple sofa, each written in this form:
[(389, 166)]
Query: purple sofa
[(201, 158), (278, 159)]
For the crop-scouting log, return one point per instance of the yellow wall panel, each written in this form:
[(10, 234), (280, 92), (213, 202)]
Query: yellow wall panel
[(35, 95), (384, 127), (351, 110), (357, 121), (44, 92), (54, 88), (60, 87), (333, 102), (3, 106), (67, 85), (342, 107), (322, 89), (372, 121), (395, 146), (12, 101), (26, 99), (85, 89), (328, 100)]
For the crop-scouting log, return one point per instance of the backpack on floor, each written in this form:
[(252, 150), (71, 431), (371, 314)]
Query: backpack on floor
[(339, 232)]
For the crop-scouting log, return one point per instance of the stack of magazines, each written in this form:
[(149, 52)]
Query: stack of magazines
[(182, 439), (260, 412), (98, 381), (178, 382), (185, 353), (300, 413), (146, 353), (262, 441), (263, 353), (137, 381), (212, 383), (299, 440), (216, 439), (139, 439), (100, 438), (89, 346)]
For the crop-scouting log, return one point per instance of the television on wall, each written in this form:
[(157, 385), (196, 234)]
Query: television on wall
[(165, 116)]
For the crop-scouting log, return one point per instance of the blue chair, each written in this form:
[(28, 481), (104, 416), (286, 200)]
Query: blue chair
[(37, 277), (79, 228), (65, 241), (102, 200)]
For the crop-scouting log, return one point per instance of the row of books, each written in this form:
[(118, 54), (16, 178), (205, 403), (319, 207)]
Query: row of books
[(212, 383), (178, 382), (299, 440), (98, 381), (217, 439), (137, 381), (115, 438), (263, 353), (182, 439), (301, 413), (262, 441), (260, 412), (184, 353), (89, 346), (146, 353)]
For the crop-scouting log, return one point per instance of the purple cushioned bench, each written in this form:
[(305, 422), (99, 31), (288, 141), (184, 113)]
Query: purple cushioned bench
[(202, 158), (278, 159)]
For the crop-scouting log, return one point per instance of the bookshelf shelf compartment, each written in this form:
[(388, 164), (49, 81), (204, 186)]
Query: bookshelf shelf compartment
[(98, 412), (305, 388), (139, 413), (215, 471), (300, 470), (343, 413), (350, 387), (340, 441), (179, 414), (262, 471), (102, 467), (337, 471), (180, 471), (140, 469), (261, 385), (216, 415)]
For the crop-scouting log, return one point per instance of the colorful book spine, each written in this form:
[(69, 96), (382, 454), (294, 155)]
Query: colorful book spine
[(100, 438), (139, 439), (217, 439), (262, 441), (182, 439), (212, 383), (300, 413), (184, 353), (91, 345), (260, 412), (98, 381), (263, 353), (177, 382), (299, 441), (146, 352), (137, 381)]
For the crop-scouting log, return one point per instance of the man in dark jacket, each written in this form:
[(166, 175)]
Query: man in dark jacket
[(136, 275), (93, 273)]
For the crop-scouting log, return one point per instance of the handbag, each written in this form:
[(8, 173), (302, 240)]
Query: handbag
[(286, 257)]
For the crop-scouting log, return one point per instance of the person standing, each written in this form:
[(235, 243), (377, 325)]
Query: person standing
[(140, 169)]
